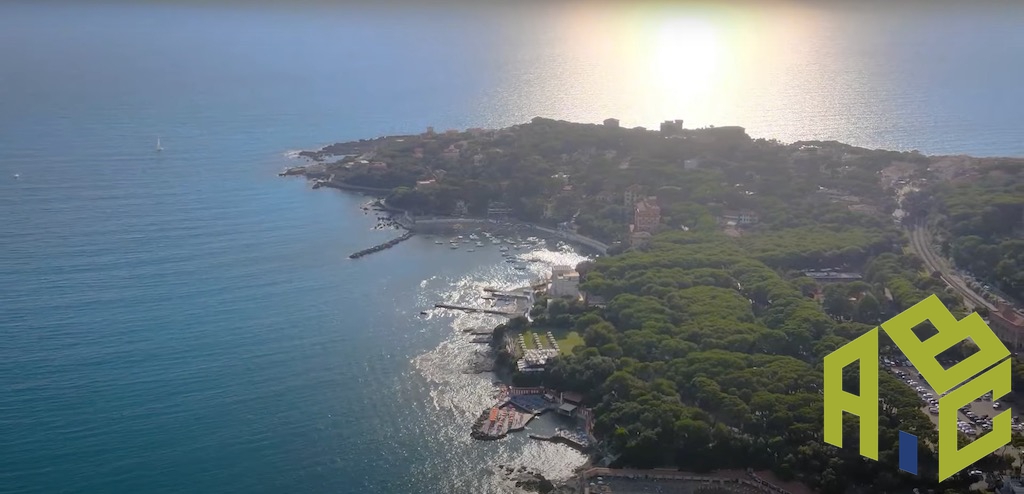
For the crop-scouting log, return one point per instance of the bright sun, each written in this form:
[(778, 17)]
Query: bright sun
[(683, 60)]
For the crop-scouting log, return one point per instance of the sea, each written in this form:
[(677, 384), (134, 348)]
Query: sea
[(187, 321)]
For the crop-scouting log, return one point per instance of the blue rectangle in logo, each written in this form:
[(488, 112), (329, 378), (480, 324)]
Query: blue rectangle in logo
[(908, 453)]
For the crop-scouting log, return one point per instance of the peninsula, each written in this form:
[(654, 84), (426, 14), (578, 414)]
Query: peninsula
[(735, 265)]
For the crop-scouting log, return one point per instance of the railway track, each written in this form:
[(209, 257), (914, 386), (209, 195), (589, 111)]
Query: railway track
[(920, 242)]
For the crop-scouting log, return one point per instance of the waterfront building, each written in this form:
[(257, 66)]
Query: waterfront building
[(565, 282)]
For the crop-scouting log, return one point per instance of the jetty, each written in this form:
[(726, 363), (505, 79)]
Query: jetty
[(576, 439), (386, 245), (477, 309)]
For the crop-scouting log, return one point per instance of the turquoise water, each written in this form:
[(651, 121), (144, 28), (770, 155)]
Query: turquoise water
[(186, 321)]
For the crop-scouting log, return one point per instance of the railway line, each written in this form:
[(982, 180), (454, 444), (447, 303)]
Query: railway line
[(920, 242)]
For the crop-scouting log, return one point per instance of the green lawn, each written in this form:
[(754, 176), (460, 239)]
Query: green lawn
[(568, 341)]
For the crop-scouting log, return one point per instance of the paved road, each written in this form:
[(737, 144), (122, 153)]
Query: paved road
[(921, 243)]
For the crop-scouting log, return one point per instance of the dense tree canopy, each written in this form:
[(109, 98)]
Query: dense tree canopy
[(984, 220), (706, 357)]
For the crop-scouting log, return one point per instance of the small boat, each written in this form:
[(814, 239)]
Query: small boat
[(517, 247), (479, 244), (438, 242), (158, 146), (16, 176), (473, 236), (455, 246), (470, 250)]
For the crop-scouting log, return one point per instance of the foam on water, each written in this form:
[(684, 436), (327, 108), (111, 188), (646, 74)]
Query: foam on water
[(457, 396)]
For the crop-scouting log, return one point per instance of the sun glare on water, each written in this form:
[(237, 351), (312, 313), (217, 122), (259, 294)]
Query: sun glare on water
[(683, 63), (708, 64)]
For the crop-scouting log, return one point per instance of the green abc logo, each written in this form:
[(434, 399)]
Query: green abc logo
[(987, 370)]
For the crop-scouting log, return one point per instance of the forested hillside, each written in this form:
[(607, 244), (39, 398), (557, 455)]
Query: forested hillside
[(983, 223), (707, 357)]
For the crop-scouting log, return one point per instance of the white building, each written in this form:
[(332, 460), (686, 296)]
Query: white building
[(565, 282), (741, 217)]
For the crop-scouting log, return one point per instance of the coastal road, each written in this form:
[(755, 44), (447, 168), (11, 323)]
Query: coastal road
[(921, 243)]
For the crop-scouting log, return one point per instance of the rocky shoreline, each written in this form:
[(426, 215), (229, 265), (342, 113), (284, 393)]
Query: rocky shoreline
[(523, 478), (531, 481)]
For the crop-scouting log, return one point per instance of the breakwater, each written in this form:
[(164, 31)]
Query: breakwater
[(555, 438), (497, 312), (386, 245)]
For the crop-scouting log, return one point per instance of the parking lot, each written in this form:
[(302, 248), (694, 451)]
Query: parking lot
[(974, 419)]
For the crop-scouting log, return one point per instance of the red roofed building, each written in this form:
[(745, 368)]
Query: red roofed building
[(646, 215), (1008, 324)]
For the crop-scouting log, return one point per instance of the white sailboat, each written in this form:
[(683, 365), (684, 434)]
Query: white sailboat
[(158, 146)]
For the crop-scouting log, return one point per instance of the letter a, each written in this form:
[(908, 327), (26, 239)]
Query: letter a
[(864, 405)]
